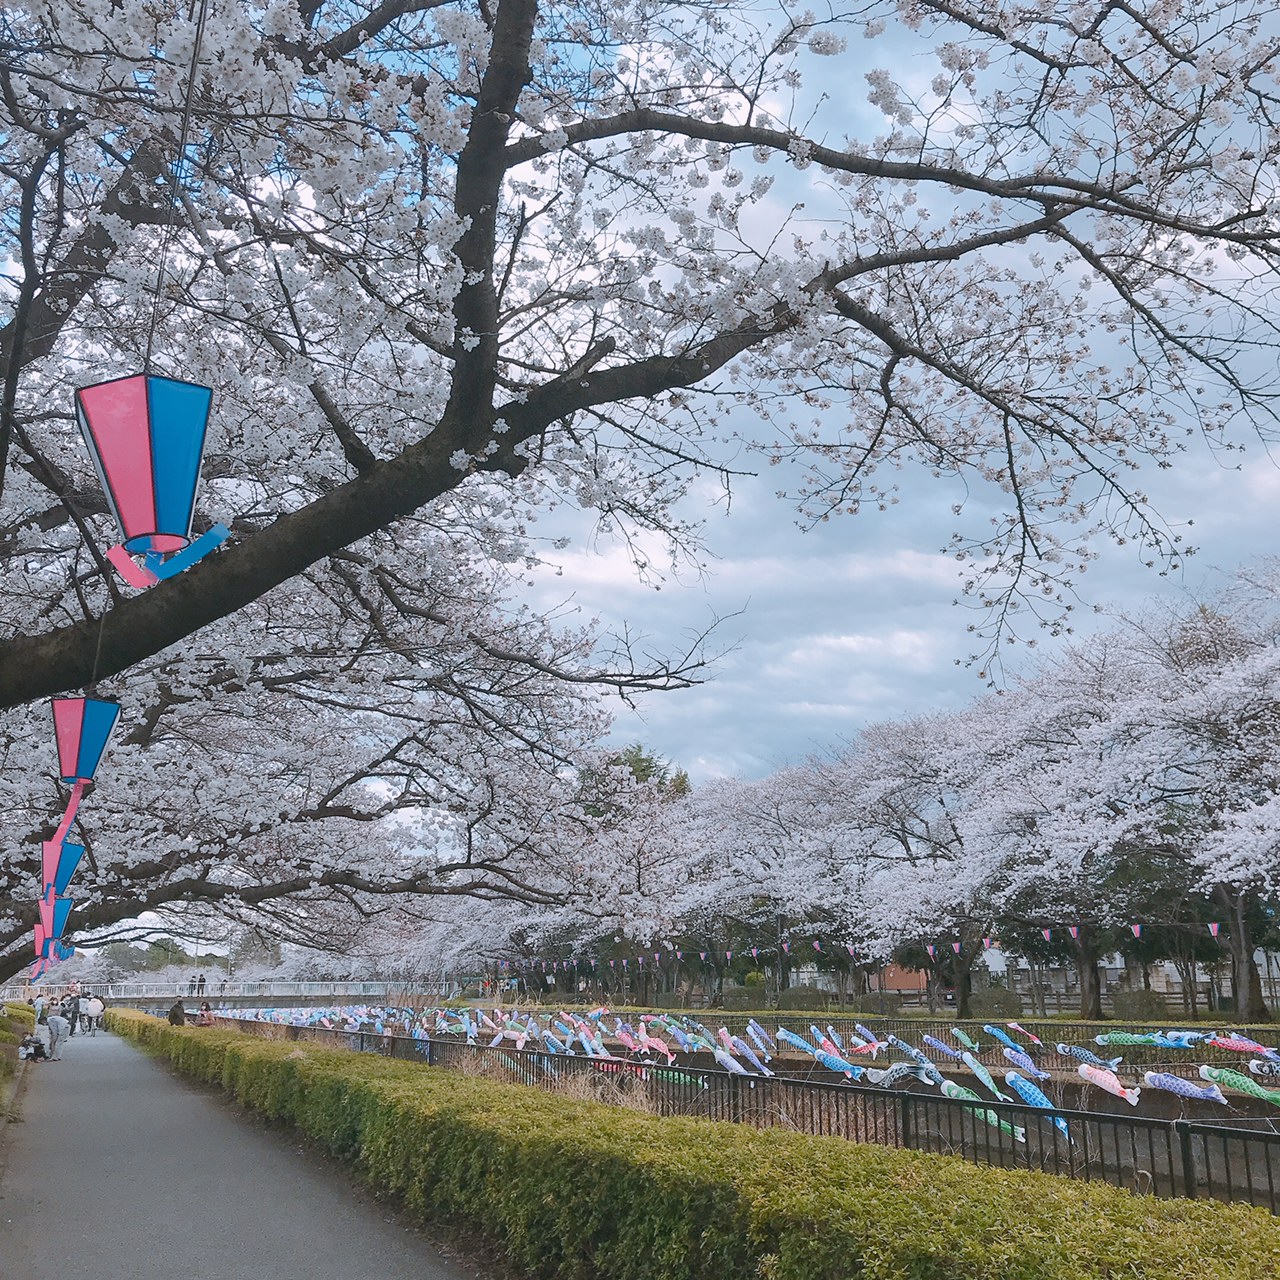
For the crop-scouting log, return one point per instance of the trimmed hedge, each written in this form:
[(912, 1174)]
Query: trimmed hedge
[(23, 1016), (577, 1189), (15, 1021)]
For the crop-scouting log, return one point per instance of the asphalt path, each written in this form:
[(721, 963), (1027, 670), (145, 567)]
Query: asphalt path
[(117, 1170)]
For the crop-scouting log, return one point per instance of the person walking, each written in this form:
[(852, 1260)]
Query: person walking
[(93, 1011), (59, 1032)]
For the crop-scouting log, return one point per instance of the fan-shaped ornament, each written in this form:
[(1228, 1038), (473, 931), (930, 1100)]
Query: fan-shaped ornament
[(146, 435)]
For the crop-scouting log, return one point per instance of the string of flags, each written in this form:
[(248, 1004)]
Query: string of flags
[(146, 437)]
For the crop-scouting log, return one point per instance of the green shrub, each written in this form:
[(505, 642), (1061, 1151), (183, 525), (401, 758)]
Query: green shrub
[(22, 1015), (995, 1002), (574, 1189), (871, 1003), (1139, 1005), (803, 997)]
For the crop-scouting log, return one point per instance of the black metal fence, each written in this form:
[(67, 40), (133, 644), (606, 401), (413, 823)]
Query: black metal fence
[(1148, 1156)]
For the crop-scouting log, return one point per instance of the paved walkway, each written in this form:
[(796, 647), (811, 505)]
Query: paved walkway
[(118, 1171)]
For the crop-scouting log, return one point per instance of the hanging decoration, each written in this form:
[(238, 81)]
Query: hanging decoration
[(1073, 930), (1048, 934), (146, 436), (1213, 928), (60, 863), (1136, 930), (82, 728)]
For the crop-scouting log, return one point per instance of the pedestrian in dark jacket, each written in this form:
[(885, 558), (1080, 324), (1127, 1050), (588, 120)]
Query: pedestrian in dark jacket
[(177, 1015), (71, 1011)]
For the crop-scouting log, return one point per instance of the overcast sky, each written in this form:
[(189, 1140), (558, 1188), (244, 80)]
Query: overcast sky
[(853, 622)]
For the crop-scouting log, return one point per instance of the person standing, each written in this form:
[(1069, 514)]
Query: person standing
[(71, 1009), (191, 985), (200, 985), (59, 1031), (44, 1035)]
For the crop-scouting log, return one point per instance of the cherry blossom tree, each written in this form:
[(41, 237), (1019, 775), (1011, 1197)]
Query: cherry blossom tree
[(451, 265), (362, 760), (539, 252)]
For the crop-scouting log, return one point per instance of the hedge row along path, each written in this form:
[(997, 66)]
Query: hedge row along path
[(572, 1190), (118, 1171)]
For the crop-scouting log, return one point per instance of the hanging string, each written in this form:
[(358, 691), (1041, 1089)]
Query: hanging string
[(92, 687), (175, 175)]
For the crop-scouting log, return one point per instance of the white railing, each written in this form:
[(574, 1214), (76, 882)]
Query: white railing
[(219, 988)]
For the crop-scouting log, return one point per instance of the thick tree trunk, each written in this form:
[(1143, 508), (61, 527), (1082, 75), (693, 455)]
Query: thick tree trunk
[(1186, 967), (1246, 981), (1086, 945), (962, 978)]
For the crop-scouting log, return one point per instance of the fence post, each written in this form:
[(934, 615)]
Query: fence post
[(735, 1101), (904, 1120), (1183, 1130), (431, 1053)]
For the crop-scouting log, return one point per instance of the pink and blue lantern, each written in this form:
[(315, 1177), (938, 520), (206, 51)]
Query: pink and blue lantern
[(60, 863), (146, 435), (83, 727)]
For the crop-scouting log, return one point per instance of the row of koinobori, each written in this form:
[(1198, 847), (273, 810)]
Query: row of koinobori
[(643, 1043), (146, 436)]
